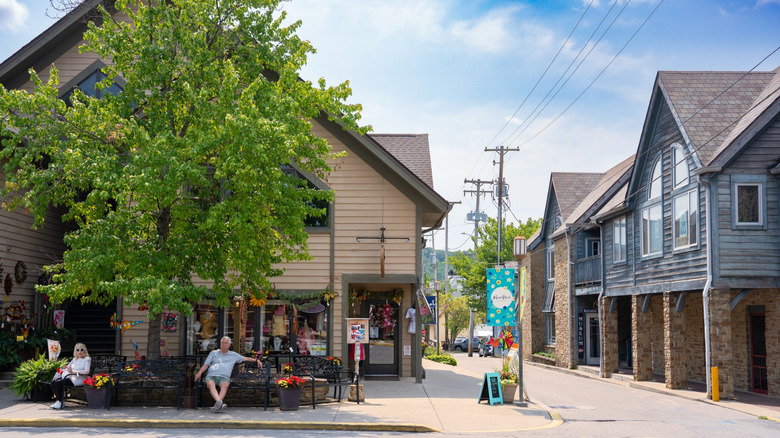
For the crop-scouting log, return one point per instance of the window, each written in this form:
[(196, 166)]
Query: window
[(748, 204), (680, 165), (619, 240), (686, 218), (652, 230), (311, 221), (592, 247), (88, 86), (749, 201), (656, 181), (550, 266), (549, 328)]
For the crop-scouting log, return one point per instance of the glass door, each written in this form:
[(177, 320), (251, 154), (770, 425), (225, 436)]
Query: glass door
[(592, 340), (382, 349)]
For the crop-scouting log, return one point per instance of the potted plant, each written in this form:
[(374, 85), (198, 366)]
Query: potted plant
[(289, 390), (509, 380), (97, 389), (30, 378)]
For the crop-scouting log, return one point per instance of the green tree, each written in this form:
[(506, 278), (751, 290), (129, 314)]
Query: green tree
[(182, 173), (457, 315), (473, 269)]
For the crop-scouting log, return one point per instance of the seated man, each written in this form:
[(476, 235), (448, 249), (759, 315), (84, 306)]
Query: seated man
[(220, 364)]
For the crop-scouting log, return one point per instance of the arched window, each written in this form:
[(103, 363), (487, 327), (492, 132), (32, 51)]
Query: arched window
[(680, 166), (656, 183)]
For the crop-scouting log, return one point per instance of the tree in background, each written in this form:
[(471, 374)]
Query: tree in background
[(184, 170), (473, 269), (457, 316)]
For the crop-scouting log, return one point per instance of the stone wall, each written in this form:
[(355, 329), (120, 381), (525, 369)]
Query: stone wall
[(641, 339), (674, 343), (533, 318), (563, 332), (609, 338), (722, 344)]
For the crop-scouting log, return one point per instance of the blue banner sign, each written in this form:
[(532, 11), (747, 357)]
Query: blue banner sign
[(432, 304), (501, 297)]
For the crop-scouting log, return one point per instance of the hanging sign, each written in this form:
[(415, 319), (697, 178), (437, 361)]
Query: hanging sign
[(523, 293), (357, 330), (501, 297), (491, 389), (432, 304)]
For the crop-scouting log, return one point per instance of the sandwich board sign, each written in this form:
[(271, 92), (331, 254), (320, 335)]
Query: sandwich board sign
[(491, 389)]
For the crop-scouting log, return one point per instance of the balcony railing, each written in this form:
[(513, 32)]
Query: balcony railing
[(587, 271)]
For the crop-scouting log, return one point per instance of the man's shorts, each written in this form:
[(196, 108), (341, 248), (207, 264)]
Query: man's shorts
[(217, 380)]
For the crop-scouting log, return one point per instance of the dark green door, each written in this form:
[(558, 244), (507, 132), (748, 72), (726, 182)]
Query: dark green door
[(382, 349)]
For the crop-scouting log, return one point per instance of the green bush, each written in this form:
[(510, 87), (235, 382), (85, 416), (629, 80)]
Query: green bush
[(545, 354), (9, 352), (442, 358), (429, 351), (31, 373)]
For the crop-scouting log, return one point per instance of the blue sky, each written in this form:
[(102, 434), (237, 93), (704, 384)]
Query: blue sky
[(459, 70)]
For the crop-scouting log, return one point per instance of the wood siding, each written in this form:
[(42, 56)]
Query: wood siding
[(618, 275), (750, 252), (672, 267)]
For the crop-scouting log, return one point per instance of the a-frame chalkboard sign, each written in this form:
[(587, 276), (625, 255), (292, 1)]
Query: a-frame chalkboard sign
[(491, 389)]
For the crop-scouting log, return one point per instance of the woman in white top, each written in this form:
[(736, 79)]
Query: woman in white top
[(73, 374)]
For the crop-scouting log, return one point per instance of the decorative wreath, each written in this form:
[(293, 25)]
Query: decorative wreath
[(20, 272), (9, 284)]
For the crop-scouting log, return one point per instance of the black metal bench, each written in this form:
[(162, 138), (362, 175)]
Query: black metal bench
[(151, 375), (245, 375), (318, 367), (106, 363)]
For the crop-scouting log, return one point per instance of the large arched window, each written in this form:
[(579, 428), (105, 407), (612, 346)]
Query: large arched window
[(656, 183), (680, 166)]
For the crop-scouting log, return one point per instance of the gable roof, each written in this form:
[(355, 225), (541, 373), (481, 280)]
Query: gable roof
[(707, 105), (404, 160), (412, 150), (569, 189), (612, 180)]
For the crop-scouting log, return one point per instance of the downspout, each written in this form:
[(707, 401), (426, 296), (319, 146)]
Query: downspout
[(705, 294), (601, 295), (571, 310)]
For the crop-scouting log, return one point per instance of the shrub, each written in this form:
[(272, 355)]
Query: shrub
[(31, 373), (442, 358), (545, 354)]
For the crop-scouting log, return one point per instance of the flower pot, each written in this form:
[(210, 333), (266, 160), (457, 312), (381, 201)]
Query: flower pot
[(41, 393), (98, 398), (508, 392), (289, 398)]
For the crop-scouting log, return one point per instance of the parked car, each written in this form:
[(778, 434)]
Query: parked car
[(462, 343), (485, 349)]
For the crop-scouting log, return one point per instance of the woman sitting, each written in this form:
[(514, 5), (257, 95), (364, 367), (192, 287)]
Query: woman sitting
[(72, 375)]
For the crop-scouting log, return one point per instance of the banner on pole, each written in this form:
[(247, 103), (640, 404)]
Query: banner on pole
[(523, 292), (501, 297), (432, 304)]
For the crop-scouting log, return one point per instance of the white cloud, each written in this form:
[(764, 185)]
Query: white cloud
[(12, 15)]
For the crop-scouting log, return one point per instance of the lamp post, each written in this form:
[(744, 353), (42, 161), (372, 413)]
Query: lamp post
[(519, 249), (437, 288)]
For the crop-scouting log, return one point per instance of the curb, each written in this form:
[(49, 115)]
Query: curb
[(198, 424)]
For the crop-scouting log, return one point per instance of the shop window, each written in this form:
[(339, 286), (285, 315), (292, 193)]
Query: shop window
[(202, 336)]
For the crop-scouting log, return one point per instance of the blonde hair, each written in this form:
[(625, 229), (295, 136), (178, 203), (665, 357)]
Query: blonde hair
[(86, 353)]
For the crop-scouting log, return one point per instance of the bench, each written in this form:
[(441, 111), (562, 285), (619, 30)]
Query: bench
[(99, 363), (245, 375), (152, 375), (318, 367)]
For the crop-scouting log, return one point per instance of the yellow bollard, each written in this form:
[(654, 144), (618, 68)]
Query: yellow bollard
[(715, 386)]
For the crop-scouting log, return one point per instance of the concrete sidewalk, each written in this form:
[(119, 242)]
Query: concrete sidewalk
[(446, 401)]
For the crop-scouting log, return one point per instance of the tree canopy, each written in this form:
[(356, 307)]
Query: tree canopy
[(473, 269), (173, 165)]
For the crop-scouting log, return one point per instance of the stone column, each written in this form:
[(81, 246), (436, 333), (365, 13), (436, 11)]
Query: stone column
[(676, 365), (641, 338), (772, 318), (721, 343), (609, 338)]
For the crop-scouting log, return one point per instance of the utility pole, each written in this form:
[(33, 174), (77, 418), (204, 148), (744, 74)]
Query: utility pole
[(475, 216), (447, 267), (501, 152)]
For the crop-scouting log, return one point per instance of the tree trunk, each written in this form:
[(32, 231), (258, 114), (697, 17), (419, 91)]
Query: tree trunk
[(153, 339)]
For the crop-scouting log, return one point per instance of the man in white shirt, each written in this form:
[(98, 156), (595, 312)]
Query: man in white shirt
[(220, 365)]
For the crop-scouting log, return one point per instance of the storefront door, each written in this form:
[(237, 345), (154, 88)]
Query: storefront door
[(382, 349), (592, 340)]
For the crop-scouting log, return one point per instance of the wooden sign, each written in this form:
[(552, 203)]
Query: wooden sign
[(491, 389)]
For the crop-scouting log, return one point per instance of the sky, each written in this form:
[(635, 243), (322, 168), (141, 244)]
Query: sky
[(565, 83)]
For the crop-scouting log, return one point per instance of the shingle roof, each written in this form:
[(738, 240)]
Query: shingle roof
[(707, 124), (572, 187), (607, 182), (411, 150)]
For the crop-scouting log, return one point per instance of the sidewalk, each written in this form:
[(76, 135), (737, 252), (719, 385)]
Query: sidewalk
[(446, 401)]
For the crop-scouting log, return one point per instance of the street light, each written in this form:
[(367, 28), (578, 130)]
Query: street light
[(519, 250)]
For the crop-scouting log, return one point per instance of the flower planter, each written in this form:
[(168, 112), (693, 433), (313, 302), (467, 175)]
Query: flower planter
[(508, 392), (99, 398), (289, 398), (41, 393)]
